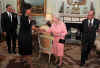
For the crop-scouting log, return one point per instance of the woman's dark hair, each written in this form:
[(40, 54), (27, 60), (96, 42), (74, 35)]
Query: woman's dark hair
[(8, 5), (25, 6)]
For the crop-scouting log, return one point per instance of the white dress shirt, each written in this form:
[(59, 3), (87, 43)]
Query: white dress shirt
[(91, 21), (9, 14), (29, 21)]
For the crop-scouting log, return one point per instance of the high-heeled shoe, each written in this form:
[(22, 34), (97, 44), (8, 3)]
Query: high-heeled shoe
[(58, 66), (57, 62)]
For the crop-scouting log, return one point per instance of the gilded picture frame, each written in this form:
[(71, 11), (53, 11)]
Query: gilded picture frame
[(38, 6), (81, 2)]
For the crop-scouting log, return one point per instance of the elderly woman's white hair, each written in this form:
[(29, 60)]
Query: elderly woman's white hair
[(50, 16), (57, 15)]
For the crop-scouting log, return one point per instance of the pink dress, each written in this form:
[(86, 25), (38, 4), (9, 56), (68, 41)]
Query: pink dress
[(59, 31)]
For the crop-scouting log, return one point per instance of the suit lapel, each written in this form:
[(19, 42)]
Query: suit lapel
[(6, 14), (27, 21), (87, 23), (95, 25), (94, 22)]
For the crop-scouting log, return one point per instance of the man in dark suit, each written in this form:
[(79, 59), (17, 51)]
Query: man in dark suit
[(89, 28), (9, 26), (0, 26)]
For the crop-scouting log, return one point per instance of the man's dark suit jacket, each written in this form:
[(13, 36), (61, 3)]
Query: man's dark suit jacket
[(89, 35), (6, 23)]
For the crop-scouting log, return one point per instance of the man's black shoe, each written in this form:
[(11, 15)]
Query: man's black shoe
[(14, 52), (81, 65), (9, 52)]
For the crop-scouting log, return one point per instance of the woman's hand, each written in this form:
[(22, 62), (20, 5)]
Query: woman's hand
[(57, 34), (33, 27), (4, 34)]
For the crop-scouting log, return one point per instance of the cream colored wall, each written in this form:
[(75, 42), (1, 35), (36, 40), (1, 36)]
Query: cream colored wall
[(97, 8), (12, 2), (53, 7)]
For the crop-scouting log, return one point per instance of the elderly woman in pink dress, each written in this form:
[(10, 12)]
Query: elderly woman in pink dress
[(58, 29)]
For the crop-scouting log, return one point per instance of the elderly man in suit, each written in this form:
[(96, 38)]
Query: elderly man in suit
[(89, 28), (9, 26)]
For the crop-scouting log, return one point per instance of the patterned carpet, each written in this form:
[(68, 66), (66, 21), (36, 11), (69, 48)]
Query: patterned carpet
[(71, 59)]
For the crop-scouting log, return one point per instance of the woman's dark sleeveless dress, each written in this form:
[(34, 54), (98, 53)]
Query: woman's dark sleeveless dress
[(25, 36)]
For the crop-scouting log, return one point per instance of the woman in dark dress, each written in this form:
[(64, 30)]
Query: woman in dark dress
[(25, 36)]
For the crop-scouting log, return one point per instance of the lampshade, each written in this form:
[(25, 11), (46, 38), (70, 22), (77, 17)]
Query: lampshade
[(48, 17)]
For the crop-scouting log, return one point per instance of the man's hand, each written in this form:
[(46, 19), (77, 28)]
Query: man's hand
[(4, 33)]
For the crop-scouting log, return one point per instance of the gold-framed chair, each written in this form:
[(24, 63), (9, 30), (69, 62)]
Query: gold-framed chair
[(45, 44)]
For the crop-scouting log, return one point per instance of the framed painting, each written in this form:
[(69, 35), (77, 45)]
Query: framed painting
[(81, 2), (38, 6)]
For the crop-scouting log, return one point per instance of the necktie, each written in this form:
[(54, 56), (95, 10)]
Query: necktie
[(10, 16), (90, 25)]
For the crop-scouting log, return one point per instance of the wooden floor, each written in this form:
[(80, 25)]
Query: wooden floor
[(71, 59)]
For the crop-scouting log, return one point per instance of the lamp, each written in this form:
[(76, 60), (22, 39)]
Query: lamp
[(48, 17)]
